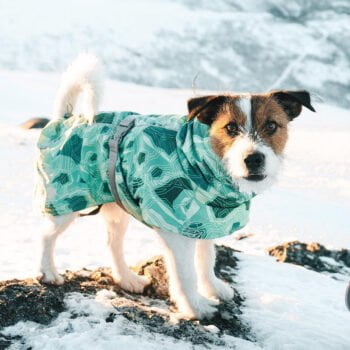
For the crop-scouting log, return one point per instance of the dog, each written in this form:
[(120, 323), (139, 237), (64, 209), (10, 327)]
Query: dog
[(212, 162)]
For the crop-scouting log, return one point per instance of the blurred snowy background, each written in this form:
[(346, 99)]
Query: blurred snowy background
[(232, 45)]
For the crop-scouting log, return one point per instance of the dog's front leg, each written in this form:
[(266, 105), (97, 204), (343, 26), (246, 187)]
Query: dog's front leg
[(183, 291), (117, 222), (209, 285), (55, 225)]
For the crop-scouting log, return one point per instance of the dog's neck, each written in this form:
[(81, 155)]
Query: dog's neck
[(201, 163)]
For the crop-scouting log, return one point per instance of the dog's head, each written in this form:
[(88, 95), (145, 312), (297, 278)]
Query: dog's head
[(249, 132)]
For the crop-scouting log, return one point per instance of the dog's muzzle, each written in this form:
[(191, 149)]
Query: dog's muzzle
[(255, 163)]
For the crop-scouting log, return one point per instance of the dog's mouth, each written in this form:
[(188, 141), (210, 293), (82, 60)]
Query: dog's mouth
[(255, 177)]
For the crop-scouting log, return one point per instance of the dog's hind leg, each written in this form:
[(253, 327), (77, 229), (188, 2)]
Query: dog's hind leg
[(209, 285), (179, 258), (55, 226), (117, 222)]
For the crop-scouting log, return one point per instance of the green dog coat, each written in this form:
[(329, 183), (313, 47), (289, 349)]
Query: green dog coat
[(166, 173)]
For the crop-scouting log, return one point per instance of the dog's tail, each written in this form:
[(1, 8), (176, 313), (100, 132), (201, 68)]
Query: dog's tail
[(84, 75)]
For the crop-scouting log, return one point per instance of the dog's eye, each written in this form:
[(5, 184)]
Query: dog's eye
[(232, 128), (271, 127)]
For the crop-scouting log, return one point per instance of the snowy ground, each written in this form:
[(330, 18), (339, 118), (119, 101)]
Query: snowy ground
[(287, 307)]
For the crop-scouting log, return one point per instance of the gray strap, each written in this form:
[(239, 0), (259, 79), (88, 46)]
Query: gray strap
[(121, 130)]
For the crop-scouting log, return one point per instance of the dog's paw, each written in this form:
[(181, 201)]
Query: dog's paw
[(199, 308), (132, 283), (223, 290), (218, 289), (51, 278)]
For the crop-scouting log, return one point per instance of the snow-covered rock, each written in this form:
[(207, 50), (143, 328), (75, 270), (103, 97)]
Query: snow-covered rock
[(92, 295)]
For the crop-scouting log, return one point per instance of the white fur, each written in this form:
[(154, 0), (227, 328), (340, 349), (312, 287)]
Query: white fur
[(179, 258), (245, 105), (117, 223), (236, 167), (208, 284), (84, 75), (55, 226), (234, 157)]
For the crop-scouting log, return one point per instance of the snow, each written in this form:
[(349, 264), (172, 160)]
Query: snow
[(84, 326), (288, 307), (293, 308)]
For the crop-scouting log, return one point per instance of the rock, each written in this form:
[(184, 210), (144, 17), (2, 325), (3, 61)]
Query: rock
[(242, 236), (35, 123), (313, 256), (29, 300), (154, 270)]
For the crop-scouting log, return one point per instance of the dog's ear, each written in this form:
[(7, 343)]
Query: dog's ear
[(292, 101), (204, 108)]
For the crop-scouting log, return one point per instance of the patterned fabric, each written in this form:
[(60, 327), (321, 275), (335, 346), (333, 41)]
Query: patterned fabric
[(167, 174)]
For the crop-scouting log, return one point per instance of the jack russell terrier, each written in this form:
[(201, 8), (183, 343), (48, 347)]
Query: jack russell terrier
[(191, 178)]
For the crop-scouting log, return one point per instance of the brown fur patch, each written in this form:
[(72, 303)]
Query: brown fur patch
[(265, 108), (230, 112)]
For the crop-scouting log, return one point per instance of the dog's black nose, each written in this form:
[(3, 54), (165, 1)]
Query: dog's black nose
[(255, 161)]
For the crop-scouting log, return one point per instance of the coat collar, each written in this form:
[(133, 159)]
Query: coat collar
[(203, 166)]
